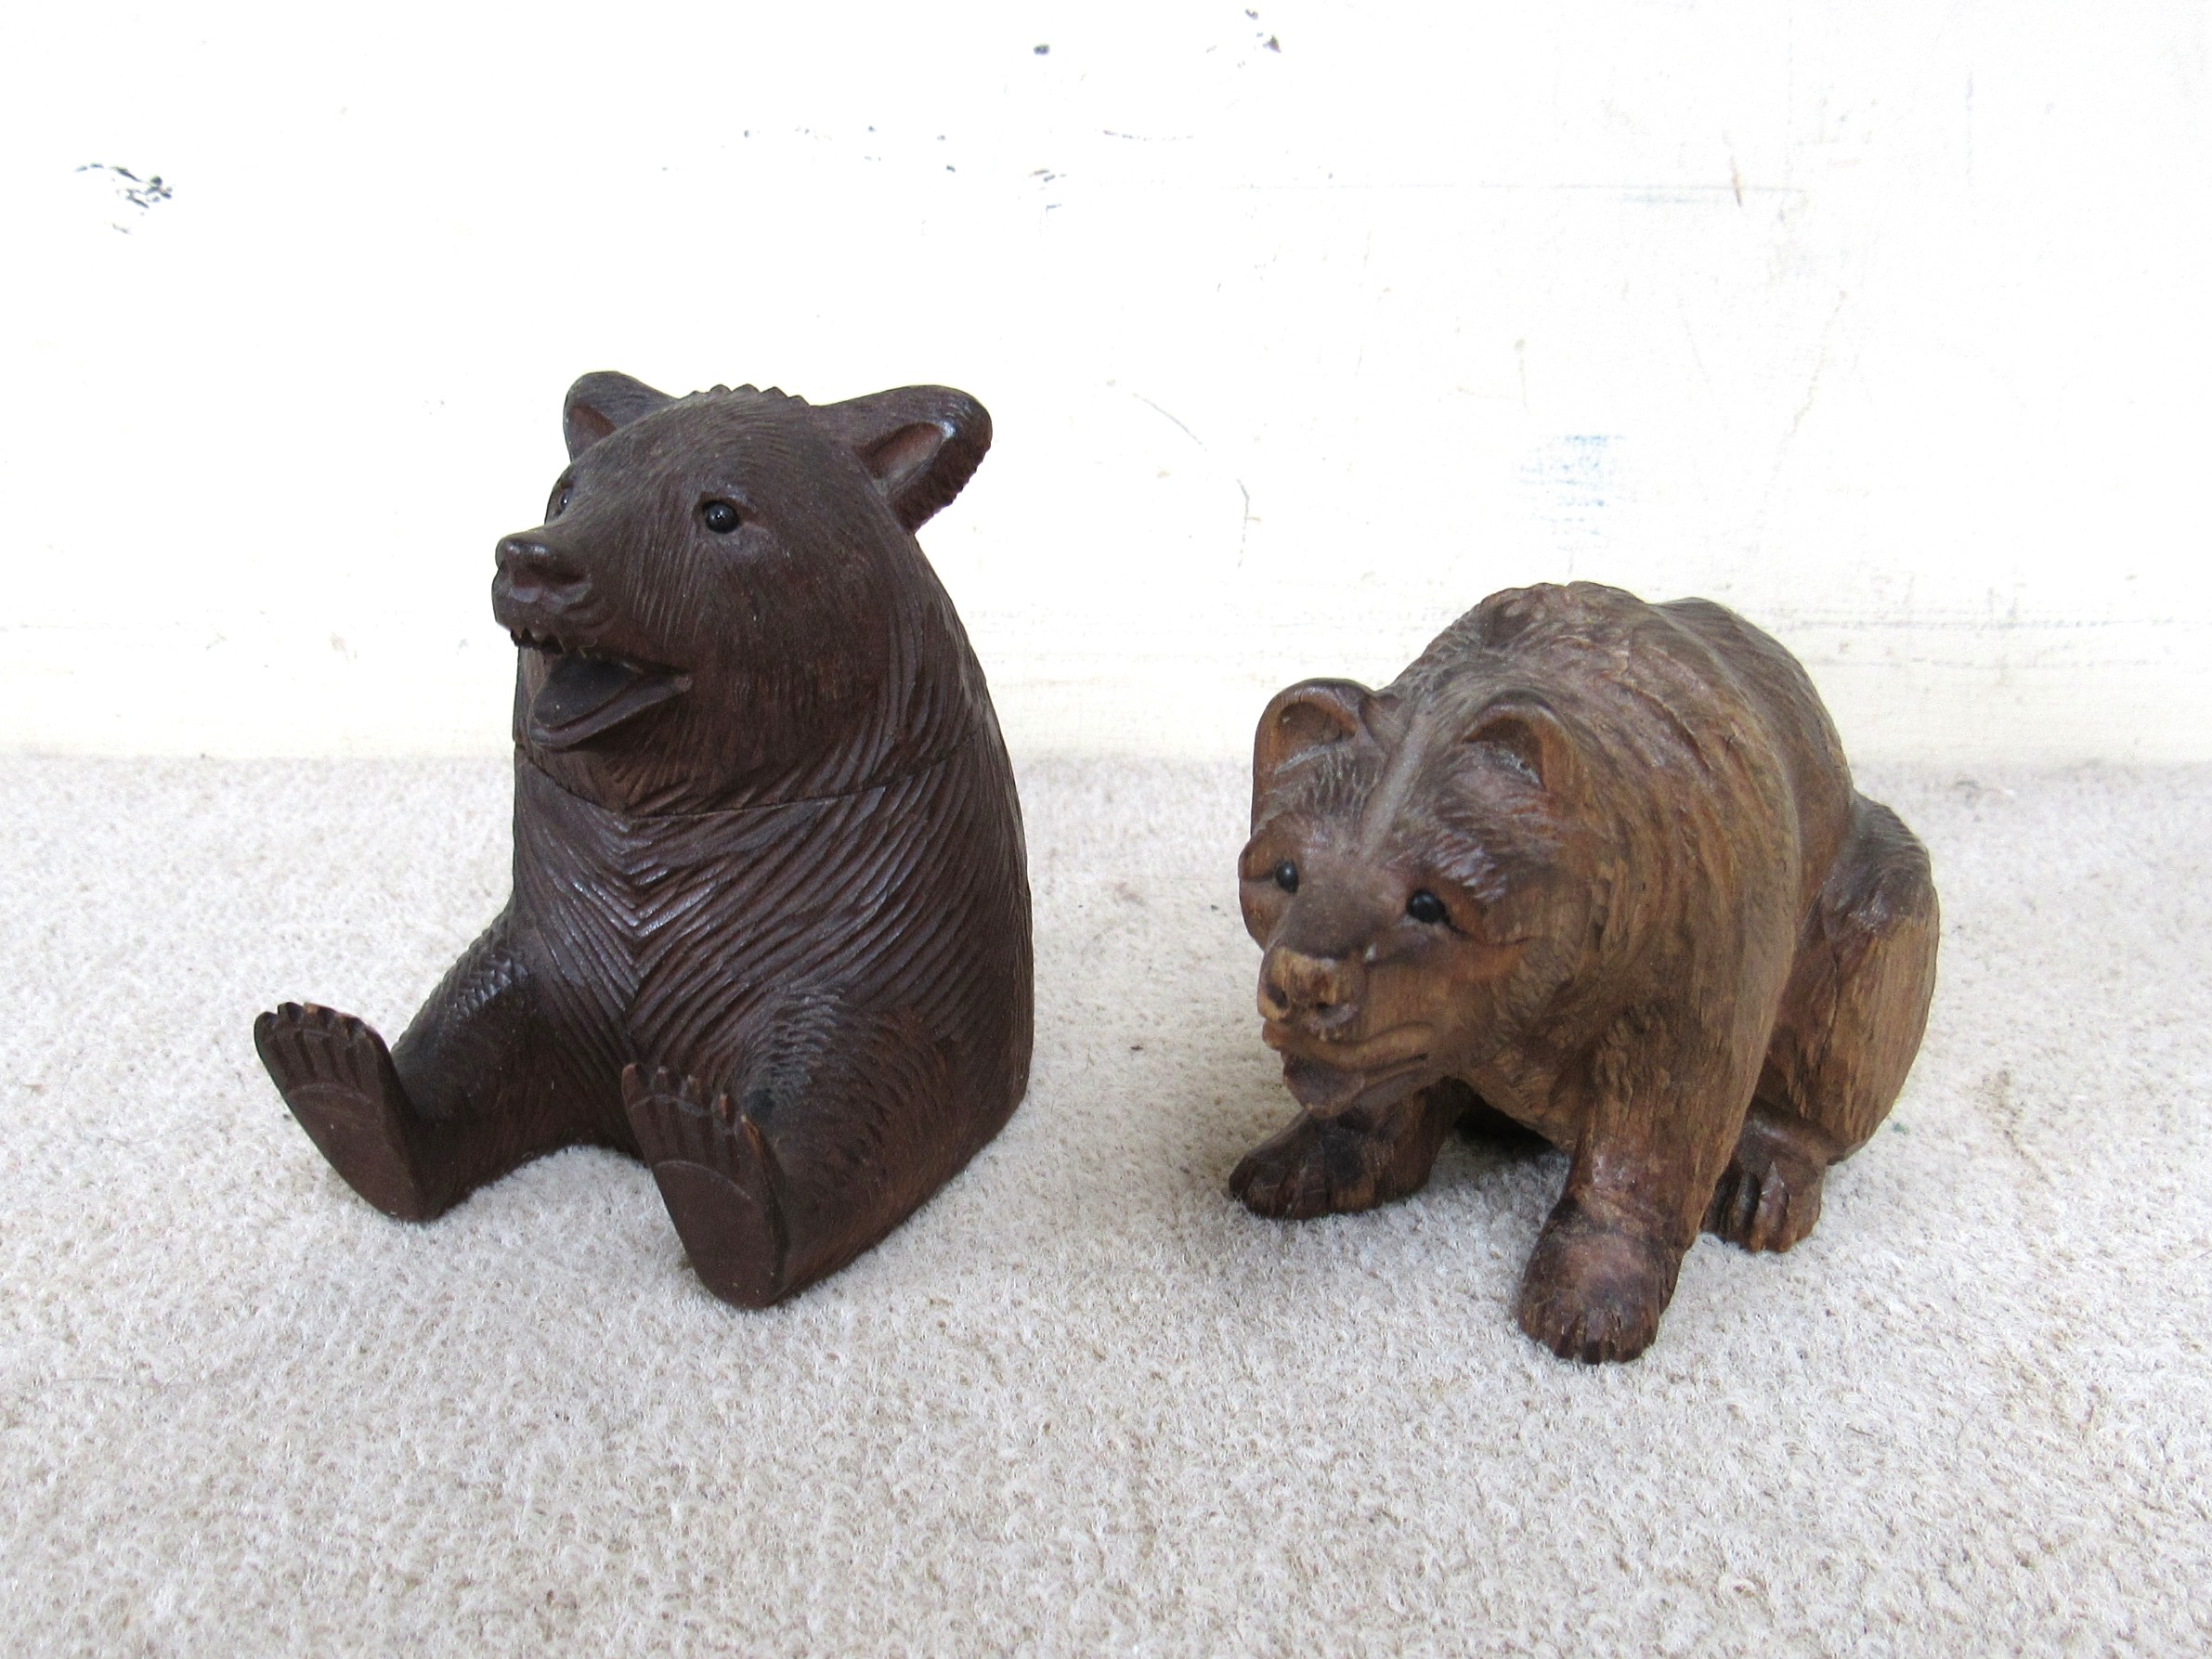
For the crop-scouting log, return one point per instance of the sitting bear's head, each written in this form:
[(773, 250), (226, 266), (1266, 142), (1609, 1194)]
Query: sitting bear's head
[(725, 602), (1405, 879)]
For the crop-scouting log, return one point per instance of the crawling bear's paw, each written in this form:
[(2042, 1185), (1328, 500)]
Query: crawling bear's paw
[(1330, 1166), (1769, 1195), (1593, 1293)]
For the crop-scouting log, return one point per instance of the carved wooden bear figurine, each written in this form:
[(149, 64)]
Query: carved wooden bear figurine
[(1592, 868), (770, 926)]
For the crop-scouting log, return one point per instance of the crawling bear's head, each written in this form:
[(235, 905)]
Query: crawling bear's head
[(726, 598), (1404, 879)]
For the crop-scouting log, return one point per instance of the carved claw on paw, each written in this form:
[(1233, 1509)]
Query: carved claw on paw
[(1595, 1293), (1769, 1206), (336, 1075), (718, 1177), (1321, 1167)]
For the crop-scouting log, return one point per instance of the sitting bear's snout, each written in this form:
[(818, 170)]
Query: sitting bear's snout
[(532, 574)]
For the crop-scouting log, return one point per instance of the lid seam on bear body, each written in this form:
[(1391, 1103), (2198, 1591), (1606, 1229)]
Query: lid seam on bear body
[(940, 758)]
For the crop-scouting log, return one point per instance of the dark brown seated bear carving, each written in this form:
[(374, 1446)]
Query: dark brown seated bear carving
[(1595, 869), (770, 928)]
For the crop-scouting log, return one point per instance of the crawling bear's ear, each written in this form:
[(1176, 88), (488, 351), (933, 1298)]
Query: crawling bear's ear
[(602, 401), (1524, 731), (921, 444), (1310, 715)]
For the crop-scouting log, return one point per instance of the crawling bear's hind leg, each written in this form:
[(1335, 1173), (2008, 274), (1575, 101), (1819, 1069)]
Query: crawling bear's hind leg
[(1850, 1026)]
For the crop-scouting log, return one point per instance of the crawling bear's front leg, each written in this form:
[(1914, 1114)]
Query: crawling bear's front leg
[(1659, 1108), (1354, 1160), (1595, 1287)]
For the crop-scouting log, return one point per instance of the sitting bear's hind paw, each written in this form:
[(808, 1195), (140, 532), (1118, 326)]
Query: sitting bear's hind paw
[(336, 1075), (717, 1176)]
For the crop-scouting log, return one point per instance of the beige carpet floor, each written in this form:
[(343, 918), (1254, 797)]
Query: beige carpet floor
[(1082, 1403)]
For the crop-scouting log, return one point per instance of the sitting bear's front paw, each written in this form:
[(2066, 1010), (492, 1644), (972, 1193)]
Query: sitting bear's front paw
[(1593, 1293)]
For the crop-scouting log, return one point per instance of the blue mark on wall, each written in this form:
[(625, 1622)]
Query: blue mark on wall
[(1574, 479)]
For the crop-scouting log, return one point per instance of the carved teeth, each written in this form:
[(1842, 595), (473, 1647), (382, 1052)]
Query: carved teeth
[(532, 639)]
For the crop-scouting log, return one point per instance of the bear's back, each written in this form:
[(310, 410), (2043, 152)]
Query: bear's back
[(1658, 695), (1685, 679)]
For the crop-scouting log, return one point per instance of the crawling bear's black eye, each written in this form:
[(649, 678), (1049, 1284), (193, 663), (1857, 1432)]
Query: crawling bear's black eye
[(1426, 907), (562, 494), (722, 518), (1286, 876)]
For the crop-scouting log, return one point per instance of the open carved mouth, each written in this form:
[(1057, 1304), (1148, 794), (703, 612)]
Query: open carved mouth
[(1327, 1090), (588, 691), (1330, 1078)]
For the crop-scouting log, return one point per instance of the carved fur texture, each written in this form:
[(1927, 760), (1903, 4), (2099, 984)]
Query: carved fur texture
[(1594, 867), (770, 929)]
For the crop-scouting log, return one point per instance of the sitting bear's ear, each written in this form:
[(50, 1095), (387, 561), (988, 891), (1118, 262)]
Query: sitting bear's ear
[(1525, 733), (1311, 715), (921, 444), (602, 401)]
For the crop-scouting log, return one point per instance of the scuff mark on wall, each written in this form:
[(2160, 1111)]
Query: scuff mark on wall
[(1247, 521), (141, 193)]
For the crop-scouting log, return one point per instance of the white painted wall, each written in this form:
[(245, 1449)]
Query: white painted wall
[(1883, 322)]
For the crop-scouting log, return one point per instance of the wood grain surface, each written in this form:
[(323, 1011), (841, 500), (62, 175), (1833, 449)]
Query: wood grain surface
[(770, 924), (1594, 869)]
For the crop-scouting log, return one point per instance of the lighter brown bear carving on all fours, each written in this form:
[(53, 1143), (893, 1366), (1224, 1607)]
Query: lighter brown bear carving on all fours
[(1592, 868), (770, 927)]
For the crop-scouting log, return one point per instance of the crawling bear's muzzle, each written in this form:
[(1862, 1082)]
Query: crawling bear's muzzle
[(1318, 995), (1315, 1010)]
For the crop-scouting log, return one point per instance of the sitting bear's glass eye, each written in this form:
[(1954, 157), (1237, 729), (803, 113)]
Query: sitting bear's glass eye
[(1286, 876), (1426, 907), (722, 518), (563, 492)]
